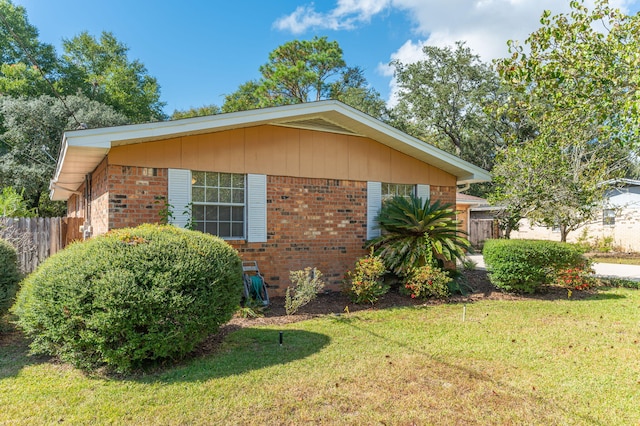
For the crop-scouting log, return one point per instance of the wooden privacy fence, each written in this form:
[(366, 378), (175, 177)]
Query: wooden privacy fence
[(481, 230), (37, 238)]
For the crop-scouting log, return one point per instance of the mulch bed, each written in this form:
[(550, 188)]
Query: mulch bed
[(337, 303)]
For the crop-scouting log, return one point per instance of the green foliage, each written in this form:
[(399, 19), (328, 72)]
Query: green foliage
[(9, 275), (18, 75), (446, 98), (366, 284), (303, 71), (130, 296), (575, 79), (604, 244), (469, 264), (195, 112), (13, 205), (415, 232), (32, 135), (620, 282), (578, 74), (553, 183), (102, 71), (166, 211), (428, 281), (307, 284), (526, 265)]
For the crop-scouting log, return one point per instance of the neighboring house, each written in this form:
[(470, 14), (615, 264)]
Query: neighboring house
[(289, 187), (619, 220)]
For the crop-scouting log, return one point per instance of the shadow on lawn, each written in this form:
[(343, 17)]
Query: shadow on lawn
[(14, 353), (243, 350)]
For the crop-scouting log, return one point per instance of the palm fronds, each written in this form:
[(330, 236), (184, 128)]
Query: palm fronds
[(414, 233)]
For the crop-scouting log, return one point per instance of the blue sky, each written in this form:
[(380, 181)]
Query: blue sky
[(201, 50)]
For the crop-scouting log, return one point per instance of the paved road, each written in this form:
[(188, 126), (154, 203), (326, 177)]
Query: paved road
[(631, 272)]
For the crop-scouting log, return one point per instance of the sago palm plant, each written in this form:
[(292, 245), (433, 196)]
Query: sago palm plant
[(415, 233)]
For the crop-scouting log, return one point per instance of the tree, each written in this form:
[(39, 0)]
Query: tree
[(12, 204), (31, 139), (444, 100), (578, 87), (553, 184), (579, 71), (299, 71), (24, 59), (303, 71), (195, 112), (250, 95), (102, 71), (352, 89)]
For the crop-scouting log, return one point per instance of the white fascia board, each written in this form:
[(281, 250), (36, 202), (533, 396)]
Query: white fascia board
[(111, 136)]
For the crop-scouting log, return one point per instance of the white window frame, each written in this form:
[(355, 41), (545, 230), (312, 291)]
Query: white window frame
[(255, 226), (375, 200)]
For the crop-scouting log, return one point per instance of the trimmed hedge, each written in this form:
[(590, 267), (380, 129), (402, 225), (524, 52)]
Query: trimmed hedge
[(130, 296), (9, 275), (525, 265)]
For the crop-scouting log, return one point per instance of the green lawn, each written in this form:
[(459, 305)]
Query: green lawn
[(619, 260), (511, 362)]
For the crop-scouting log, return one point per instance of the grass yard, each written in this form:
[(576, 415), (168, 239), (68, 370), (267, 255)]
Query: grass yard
[(617, 259), (531, 361)]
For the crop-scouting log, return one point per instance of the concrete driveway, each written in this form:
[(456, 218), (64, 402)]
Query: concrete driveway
[(630, 272)]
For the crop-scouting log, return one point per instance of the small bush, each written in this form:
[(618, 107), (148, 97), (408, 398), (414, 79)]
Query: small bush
[(9, 275), (130, 296), (365, 284), (576, 278), (428, 281), (526, 265), (306, 286), (619, 282)]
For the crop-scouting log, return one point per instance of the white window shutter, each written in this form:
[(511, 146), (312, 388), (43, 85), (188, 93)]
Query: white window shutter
[(256, 208), (179, 196), (374, 203), (424, 192)]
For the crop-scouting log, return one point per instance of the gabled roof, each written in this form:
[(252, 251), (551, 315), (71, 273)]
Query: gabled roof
[(83, 150)]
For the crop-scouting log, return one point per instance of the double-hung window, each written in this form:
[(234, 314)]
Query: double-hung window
[(218, 203), (390, 190)]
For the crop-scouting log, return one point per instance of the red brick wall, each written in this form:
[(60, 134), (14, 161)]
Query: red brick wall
[(135, 195), (318, 223), (446, 194), (100, 199)]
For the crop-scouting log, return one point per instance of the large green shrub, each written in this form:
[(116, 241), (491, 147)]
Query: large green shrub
[(130, 296), (9, 275), (525, 265)]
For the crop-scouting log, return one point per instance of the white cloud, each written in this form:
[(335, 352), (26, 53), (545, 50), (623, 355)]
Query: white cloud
[(347, 14), (485, 25)]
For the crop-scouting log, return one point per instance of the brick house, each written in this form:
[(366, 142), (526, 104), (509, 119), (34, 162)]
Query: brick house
[(289, 186)]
